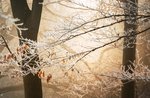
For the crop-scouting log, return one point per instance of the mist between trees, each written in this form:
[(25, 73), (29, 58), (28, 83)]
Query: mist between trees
[(77, 48)]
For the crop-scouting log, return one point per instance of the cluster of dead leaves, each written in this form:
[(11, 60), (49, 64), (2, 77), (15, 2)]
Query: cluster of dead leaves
[(22, 49), (8, 57), (41, 74)]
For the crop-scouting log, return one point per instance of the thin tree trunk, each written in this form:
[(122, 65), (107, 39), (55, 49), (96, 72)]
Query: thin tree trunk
[(31, 20), (143, 89), (130, 26)]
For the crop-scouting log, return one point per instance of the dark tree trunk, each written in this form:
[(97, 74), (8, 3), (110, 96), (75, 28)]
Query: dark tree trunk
[(130, 26), (31, 20)]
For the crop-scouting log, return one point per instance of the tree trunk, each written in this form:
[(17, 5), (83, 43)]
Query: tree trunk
[(143, 87), (31, 20), (130, 26)]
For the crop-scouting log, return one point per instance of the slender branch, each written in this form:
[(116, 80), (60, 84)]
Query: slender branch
[(105, 17), (94, 29), (116, 40), (6, 45), (14, 57)]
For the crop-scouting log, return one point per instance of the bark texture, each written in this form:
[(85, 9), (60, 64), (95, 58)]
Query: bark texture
[(31, 20)]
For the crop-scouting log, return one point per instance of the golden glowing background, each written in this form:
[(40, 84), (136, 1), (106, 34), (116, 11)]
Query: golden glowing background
[(57, 16)]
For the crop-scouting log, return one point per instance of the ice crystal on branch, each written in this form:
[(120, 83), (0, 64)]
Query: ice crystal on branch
[(61, 57)]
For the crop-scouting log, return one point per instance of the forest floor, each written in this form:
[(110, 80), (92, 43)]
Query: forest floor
[(13, 88)]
